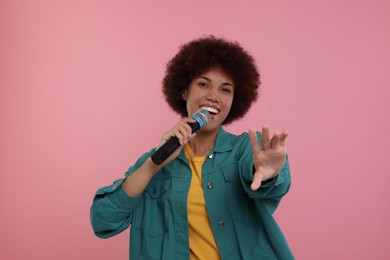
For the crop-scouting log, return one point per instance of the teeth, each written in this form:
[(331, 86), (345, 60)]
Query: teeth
[(210, 109)]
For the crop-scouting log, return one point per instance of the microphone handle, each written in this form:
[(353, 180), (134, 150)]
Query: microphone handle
[(170, 146)]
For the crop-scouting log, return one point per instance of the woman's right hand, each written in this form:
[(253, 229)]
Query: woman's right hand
[(183, 132)]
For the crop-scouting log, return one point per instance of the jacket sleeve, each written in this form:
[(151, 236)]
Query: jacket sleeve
[(273, 189), (112, 209)]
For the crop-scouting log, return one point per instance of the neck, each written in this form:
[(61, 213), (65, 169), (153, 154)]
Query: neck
[(203, 142)]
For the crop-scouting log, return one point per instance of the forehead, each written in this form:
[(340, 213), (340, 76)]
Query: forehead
[(215, 74)]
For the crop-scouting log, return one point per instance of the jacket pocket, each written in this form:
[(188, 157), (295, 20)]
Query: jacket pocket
[(237, 198), (231, 173), (156, 188), (149, 217)]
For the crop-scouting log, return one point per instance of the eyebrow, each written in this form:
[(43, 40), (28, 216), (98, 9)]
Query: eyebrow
[(209, 80)]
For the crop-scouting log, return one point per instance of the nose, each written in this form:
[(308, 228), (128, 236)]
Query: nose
[(213, 95)]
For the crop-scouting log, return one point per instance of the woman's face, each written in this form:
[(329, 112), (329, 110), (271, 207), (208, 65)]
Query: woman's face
[(214, 91)]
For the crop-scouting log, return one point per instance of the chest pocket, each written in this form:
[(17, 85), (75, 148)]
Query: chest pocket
[(157, 187), (150, 216), (236, 196), (231, 173)]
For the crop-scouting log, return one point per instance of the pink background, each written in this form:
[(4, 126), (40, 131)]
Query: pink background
[(80, 100)]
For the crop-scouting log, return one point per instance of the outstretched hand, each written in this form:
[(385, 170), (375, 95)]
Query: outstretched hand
[(269, 159)]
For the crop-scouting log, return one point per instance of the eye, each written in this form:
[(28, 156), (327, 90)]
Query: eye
[(226, 90), (203, 84)]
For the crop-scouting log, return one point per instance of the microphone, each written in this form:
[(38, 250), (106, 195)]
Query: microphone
[(202, 117)]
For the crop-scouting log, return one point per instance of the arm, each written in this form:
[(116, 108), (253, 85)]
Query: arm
[(136, 183), (112, 208), (264, 167), (268, 159)]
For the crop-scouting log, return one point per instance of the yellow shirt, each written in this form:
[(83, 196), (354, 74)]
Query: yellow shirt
[(201, 237)]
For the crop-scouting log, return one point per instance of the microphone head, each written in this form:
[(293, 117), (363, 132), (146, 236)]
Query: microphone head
[(202, 116)]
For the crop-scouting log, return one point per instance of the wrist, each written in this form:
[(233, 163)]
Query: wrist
[(151, 166)]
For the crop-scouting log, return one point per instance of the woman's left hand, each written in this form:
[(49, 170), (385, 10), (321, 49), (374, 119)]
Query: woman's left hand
[(269, 159)]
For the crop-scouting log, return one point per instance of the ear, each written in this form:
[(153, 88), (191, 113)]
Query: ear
[(184, 95)]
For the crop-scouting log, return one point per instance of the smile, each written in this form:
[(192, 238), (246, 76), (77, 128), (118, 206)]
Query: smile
[(211, 109)]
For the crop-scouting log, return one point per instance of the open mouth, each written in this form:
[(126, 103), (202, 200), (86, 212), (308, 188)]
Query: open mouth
[(213, 111)]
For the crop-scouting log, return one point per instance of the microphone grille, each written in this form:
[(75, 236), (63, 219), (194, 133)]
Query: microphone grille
[(202, 116)]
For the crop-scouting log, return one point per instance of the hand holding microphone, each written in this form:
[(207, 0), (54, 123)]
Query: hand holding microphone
[(201, 117)]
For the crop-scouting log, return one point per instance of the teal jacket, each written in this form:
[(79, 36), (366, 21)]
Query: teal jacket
[(241, 219)]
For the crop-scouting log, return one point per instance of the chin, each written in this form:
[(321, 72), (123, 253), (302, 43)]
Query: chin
[(211, 126)]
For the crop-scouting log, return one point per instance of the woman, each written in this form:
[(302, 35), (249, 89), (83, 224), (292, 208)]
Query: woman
[(214, 197)]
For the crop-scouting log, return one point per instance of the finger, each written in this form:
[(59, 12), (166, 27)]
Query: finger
[(179, 136), (188, 121), (254, 141), (283, 137), (191, 136), (183, 133), (265, 137), (187, 129), (275, 140), (257, 178)]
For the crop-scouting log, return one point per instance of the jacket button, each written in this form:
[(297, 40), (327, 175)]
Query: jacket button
[(210, 185), (211, 156), (221, 224)]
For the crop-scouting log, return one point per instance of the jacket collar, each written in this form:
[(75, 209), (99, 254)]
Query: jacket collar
[(222, 144)]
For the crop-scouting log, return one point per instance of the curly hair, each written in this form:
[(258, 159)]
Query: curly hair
[(203, 54)]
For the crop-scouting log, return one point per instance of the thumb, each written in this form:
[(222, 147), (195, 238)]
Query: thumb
[(257, 178)]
